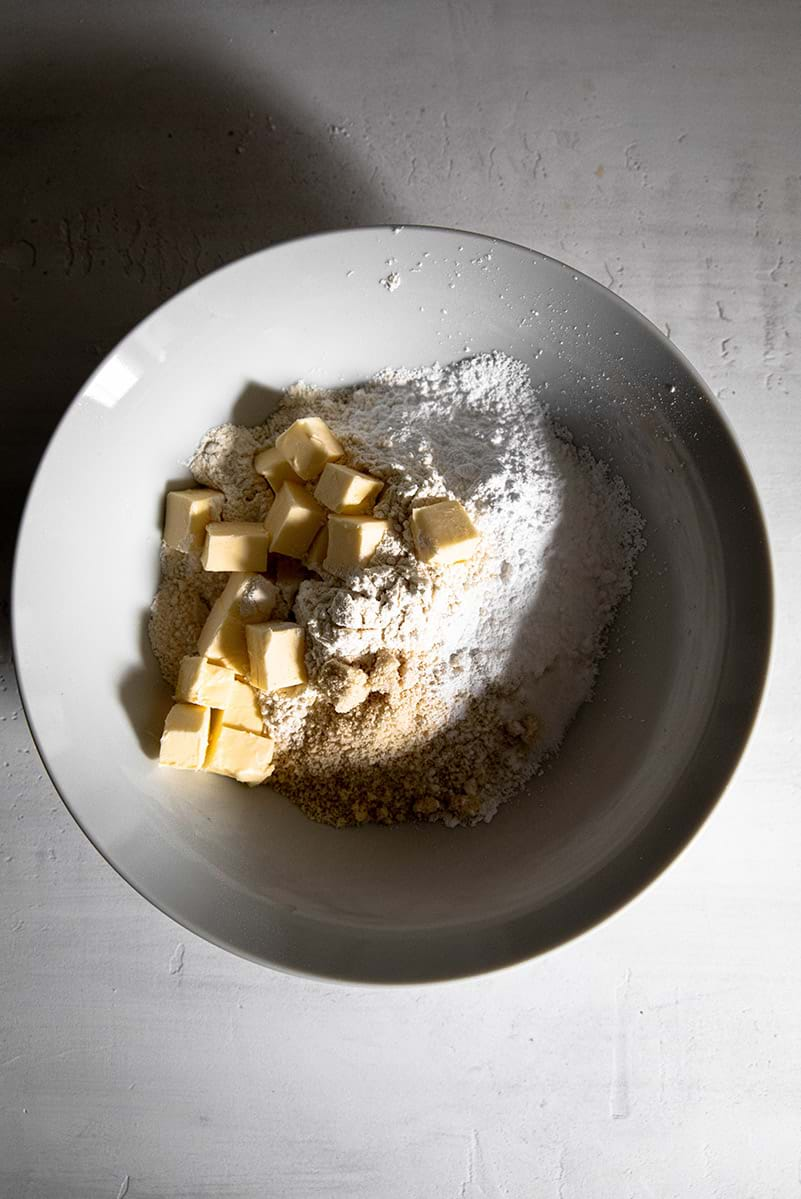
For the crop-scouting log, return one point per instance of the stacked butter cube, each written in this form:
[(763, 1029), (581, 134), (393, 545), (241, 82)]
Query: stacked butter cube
[(330, 527), (215, 723), (321, 516)]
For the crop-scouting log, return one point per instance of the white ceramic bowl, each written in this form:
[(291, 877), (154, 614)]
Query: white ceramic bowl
[(642, 765)]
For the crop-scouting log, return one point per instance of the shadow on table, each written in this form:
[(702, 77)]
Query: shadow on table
[(130, 174)]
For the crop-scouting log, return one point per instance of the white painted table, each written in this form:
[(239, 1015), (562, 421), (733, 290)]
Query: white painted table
[(655, 147)]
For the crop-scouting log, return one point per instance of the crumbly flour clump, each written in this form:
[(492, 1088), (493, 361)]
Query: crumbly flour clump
[(434, 693)]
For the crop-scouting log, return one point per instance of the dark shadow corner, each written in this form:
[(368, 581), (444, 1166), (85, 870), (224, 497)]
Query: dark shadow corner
[(255, 404), (130, 172)]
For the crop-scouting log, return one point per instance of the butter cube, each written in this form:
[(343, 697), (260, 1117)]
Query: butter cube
[(277, 655), (235, 545), (185, 737), (186, 516), (343, 489), (242, 710), (275, 468), (202, 682), (292, 521), (318, 549), (307, 445), (246, 598), (352, 541), (246, 757), (443, 533)]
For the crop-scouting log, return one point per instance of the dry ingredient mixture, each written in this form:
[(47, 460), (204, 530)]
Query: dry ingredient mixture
[(434, 691)]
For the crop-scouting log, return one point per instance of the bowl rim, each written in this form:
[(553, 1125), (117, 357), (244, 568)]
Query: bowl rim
[(624, 886)]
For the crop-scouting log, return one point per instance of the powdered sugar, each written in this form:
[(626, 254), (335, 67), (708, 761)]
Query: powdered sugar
[(529, 614)]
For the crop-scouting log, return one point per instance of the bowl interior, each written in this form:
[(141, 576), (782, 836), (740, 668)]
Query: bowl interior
[(642, 764)]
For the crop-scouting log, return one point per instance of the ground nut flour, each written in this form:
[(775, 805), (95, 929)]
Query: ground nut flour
[(434, 693)]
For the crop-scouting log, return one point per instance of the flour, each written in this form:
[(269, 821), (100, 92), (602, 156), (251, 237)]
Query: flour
[(224, 460), (436, 693), (180, 608), (559, 534)]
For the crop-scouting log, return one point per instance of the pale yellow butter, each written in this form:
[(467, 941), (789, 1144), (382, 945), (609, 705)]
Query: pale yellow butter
[(246, 757), (185, 737), (235, 545), (245, 598), (345, 490), (203, 682), (307, 445), (352, 541), (242, 710), (274, 467), (277, 655), (186, 516), (443, 533), (293, 521)]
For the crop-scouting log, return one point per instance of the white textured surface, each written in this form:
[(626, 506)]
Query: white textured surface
[(655, 147)]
